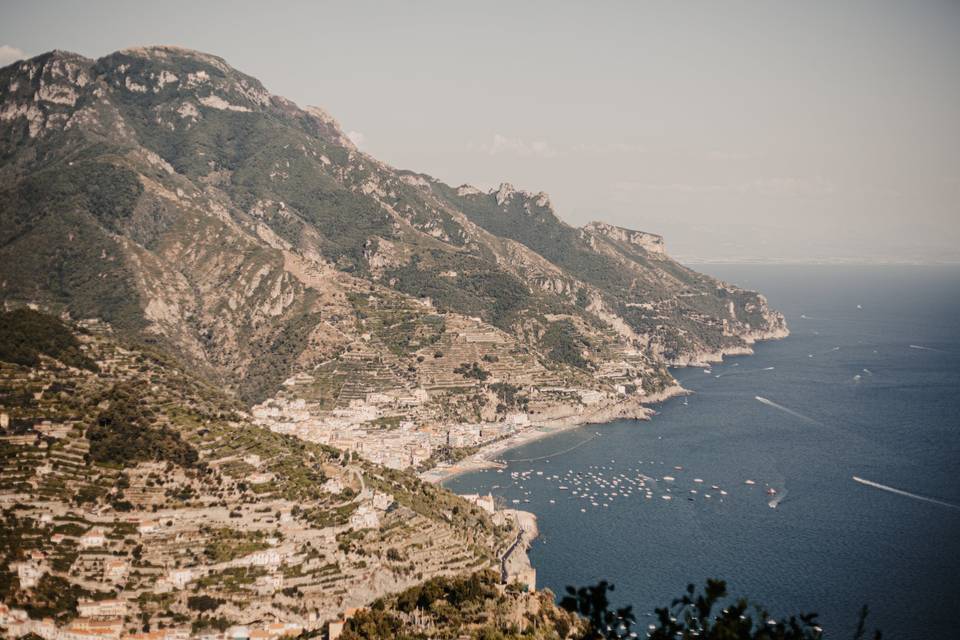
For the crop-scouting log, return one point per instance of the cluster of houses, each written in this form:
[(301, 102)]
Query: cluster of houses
[(402, 445), (103, 620)]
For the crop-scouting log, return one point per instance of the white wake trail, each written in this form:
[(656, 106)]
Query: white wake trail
[(780, 407), (922, 348), (883, 487), (743, 372)]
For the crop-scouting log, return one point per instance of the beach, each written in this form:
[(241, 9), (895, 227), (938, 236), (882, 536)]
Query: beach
[(486, 457)]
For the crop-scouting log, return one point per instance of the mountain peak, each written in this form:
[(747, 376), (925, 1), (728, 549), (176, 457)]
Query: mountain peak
[(172, 52), (507, 191)]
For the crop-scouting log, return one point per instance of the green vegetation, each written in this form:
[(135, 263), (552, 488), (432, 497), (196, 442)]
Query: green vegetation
[(123, 435), (694, 616), (25, 334), (203, 603), (479, 289), (564, 344), (472, 370), (509, 396), (52, 597), (539, 228), (277, 354), (107, 191), (229, 544), (463, 606)]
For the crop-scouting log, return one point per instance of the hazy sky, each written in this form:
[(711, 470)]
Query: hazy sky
[(761, 130)]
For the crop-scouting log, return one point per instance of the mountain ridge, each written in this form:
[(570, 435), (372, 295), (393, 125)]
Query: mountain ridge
[(163, 191)]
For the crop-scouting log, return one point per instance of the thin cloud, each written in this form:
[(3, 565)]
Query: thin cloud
[(608, 148), (9, 55), (357, 138), (504, 145), (783, 187), (720, 154)]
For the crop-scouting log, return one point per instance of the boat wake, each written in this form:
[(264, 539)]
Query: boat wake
[(777, 499), (901, 492), (780, 407), (922, 348), (743, 372)]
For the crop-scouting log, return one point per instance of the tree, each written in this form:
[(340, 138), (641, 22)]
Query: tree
[(692, 617)]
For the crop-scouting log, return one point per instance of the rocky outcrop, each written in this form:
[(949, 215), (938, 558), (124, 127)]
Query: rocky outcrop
[(647, 241)]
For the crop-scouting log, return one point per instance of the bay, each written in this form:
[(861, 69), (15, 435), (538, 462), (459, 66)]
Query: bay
[(866, 386)]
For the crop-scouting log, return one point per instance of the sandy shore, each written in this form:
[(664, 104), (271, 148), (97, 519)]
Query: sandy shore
[(485, 458)]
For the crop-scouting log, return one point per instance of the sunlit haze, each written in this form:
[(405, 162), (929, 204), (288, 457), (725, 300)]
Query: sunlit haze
[(804, 131)]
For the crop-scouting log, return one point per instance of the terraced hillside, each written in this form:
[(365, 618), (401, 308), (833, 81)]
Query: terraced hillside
[(135, 494)]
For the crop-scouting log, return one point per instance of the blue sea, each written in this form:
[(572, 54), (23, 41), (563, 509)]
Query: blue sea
[(867, 385)]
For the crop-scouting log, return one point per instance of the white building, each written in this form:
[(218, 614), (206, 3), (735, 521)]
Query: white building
[(262, 558), (102, 608), (180, 578), (365, 517), (115, 570), (333, 485), (29, 572)]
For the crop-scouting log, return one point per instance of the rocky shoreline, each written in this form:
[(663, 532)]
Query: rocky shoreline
[(634, 409), (705, 358)]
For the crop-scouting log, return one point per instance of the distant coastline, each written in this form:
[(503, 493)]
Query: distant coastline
[(636, 409)]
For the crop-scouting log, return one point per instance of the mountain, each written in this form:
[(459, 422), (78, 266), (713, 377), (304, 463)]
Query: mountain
[(172, 196), (228, 334)]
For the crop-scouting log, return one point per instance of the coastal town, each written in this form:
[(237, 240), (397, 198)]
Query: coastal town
[(471, 389), (247, 528)]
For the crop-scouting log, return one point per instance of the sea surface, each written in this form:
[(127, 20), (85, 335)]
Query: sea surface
[(867, 385)]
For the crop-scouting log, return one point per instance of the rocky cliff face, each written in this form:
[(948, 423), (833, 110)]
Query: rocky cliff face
[(174, 197)]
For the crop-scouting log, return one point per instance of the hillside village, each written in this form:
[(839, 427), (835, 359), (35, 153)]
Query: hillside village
[(255, 527)]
